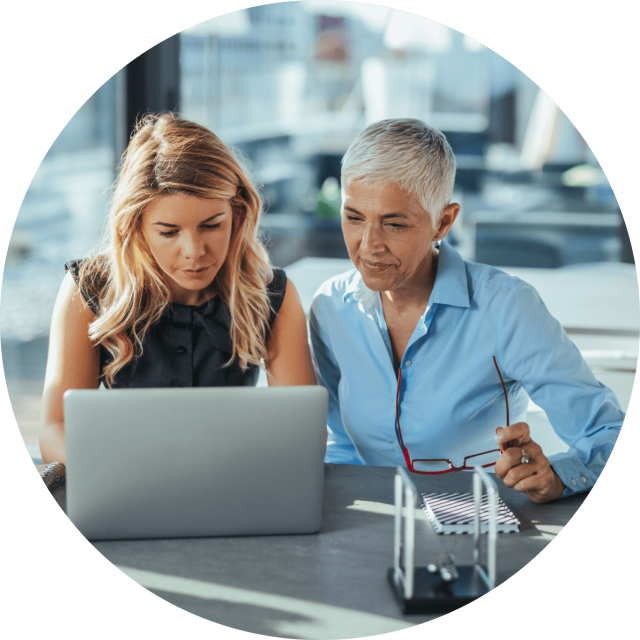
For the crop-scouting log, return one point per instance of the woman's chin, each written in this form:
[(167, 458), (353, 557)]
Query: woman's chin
[(376, 281), (182, 285)]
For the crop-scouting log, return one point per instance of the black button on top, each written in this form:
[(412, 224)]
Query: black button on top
[(181, 350)]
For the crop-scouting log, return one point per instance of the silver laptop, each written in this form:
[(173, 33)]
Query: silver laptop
[(166, 463)]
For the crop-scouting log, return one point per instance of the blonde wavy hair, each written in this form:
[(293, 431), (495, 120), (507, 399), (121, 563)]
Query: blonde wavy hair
[(168, 155)]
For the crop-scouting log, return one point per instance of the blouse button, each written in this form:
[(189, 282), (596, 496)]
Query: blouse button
[(181, 350)]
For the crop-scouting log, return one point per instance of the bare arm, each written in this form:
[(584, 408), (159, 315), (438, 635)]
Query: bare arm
[(73, 363), (288, 345)]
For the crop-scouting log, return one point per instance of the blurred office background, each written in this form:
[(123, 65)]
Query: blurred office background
[(291, 85)]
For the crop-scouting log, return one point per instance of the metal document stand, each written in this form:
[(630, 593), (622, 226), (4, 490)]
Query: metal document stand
[(443, 588)]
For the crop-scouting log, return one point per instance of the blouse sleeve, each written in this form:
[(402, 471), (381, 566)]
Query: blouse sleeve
[(340, 448), (535, 350)]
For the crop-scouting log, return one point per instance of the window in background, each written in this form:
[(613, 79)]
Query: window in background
[(61, 218), (291, 84)]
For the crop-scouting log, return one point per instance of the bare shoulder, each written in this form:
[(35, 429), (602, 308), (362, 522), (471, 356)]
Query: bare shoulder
[(291, 300), (290, 309), (70, 302), (289, 360), (69, 341)]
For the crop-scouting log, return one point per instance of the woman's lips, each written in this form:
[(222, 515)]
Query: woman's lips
[(374, 267), (195, 273)]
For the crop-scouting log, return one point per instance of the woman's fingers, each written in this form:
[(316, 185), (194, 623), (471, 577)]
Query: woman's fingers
[(511, 468), (525, 468), (513, 436)]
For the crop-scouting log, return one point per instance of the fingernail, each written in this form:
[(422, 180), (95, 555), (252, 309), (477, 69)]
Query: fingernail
[(499, 437)]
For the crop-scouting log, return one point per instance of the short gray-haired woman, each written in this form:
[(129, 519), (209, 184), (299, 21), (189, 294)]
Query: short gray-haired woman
[(429, 359)]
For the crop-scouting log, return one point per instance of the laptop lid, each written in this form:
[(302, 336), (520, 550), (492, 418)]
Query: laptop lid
[(161, 463)]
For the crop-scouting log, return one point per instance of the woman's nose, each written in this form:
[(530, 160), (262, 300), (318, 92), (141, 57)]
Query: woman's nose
[(193, 246), (370, 239)]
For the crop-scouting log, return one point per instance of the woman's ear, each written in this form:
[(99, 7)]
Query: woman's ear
[(447, 218)]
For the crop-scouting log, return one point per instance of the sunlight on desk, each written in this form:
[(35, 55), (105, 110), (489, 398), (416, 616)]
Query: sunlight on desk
[(548, 530), (315, 621), (373, 507)]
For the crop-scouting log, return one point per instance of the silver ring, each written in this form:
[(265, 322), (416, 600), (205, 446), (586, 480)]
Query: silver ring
[(524, 459)]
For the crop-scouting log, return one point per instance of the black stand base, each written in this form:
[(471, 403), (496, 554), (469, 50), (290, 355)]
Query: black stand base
[(431, 594)]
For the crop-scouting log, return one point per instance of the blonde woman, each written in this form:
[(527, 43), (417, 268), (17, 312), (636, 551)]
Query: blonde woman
[(184, 294)]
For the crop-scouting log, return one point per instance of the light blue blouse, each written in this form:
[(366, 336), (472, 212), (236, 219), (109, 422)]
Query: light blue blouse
[(451, 399)]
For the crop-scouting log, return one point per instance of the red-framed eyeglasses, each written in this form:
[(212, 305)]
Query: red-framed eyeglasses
[(437, 466)]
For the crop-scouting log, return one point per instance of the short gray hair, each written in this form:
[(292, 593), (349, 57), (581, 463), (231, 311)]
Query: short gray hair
[(408, 153)]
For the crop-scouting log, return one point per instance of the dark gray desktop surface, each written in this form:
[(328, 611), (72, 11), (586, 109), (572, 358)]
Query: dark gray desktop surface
[(343, 566)]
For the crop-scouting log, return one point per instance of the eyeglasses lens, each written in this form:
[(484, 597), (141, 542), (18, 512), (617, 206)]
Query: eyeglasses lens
[(431, 465), (483, 459)]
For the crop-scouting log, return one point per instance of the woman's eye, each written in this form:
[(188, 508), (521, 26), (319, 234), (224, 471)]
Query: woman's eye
[(353, 219), (206, 227), (396, 227)]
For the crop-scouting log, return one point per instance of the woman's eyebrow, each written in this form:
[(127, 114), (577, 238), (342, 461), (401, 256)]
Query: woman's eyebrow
[(395, 215), (209, 219), (213, 217), (385, 216)]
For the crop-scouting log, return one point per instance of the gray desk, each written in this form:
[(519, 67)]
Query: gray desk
[(329, 585)]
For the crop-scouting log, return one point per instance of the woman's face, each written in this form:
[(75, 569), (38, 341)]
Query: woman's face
[(389, 235), (189, 239)]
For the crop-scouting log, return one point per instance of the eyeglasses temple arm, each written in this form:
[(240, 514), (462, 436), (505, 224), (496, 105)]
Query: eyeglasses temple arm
[(506, 397), (405, 451), (398, 432)]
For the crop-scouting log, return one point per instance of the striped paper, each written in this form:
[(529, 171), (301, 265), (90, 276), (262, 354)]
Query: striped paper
[(453, 513)]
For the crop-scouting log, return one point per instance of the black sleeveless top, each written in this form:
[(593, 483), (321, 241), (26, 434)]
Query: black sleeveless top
[(188, 346)]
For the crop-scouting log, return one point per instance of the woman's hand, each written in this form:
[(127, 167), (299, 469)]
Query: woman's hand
[(536, 479)]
